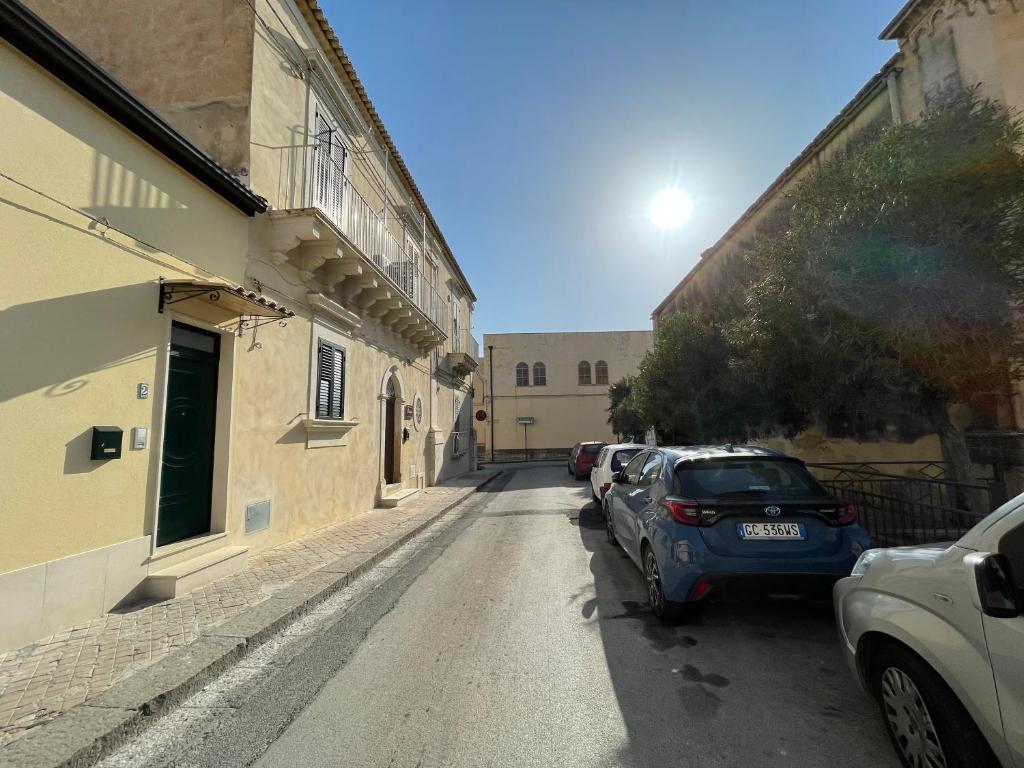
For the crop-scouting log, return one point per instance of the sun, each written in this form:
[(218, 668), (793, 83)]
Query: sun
[(670, 208)]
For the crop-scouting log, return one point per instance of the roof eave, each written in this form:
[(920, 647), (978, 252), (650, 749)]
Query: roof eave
[(894, 28)]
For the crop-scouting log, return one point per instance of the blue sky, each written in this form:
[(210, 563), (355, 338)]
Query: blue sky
[(540, 130)]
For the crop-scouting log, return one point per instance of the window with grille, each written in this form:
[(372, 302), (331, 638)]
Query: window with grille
[(584, 371), (330, 381), (601, 372), (540, 375), (522, 375)]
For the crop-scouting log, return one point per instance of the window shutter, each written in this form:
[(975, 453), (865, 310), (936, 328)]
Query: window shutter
[(338, 384), (324, 378), (330, 381)]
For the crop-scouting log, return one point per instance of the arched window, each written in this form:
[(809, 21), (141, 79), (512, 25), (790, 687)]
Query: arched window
[(522, 375), (584, 369), (540, 375), (601, 372)]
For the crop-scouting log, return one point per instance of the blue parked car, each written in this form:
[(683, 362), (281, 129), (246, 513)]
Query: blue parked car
[(752, 519)]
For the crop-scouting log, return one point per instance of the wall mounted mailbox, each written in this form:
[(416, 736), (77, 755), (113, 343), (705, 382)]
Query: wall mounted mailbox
[(106, 443)]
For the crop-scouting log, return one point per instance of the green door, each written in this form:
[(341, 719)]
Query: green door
[(186, 479)]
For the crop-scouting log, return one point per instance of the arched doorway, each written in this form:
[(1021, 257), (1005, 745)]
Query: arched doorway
[(390, 432)]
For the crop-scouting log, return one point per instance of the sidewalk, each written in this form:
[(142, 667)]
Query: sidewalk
[(55, 674)]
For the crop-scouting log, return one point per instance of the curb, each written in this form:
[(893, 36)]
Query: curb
[(88, 732)]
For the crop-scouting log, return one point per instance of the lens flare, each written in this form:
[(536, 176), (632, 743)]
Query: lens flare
[(670, 208)]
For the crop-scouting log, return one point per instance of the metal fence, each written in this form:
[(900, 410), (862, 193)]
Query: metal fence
[(922, 507)]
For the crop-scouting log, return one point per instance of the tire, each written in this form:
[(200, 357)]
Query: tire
[(609, 529), (665, 609), (576, 475), (915, 702)]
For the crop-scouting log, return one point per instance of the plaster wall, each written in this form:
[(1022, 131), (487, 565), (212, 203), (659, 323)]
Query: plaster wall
[(191, 62), (564, 411)]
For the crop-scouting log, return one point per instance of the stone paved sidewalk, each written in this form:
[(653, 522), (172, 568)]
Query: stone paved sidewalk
[(56, 673)]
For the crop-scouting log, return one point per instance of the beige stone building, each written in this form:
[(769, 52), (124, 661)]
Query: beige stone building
[(229, 316), (944, 46), (542, 393)]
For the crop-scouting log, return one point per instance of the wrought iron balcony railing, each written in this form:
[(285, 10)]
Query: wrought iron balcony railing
[(335, 195)]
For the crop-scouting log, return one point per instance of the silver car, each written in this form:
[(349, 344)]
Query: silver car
[(936, 635)]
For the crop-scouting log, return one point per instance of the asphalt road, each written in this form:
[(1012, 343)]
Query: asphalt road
[(521, 638)]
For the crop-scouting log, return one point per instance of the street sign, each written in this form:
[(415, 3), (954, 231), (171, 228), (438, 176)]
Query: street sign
[(524, 419)]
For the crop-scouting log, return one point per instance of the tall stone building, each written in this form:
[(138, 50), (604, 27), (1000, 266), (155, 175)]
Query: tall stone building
[(233, 316)]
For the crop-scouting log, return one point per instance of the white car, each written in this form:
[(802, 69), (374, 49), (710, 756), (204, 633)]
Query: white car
[(609, 461), (936, 635)]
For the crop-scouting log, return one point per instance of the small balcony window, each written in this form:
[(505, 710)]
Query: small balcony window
[(540, 375)]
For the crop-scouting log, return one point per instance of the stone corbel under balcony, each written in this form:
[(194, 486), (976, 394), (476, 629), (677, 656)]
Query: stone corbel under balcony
[(461, 364), (331, 266)]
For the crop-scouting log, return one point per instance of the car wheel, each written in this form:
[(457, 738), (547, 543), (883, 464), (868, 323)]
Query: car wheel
[(576, 475), (926, 722), (663, 608), (609, 529)]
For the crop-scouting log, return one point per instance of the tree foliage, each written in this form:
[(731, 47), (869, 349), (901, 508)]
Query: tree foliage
[(623, 413), (887, 288)]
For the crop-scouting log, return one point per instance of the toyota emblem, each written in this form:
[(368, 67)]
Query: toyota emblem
[(772, 511)]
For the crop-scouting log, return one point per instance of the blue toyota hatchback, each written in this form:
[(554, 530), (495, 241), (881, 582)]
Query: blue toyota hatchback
[(740, 518)]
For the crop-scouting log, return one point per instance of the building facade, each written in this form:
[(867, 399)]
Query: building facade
[(541, 393), (945, 46), (250, 294)]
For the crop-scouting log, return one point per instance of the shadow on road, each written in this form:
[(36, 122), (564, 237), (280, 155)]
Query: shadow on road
[(738, 683)]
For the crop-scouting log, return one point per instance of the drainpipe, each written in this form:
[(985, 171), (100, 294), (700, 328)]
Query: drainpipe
[(490, 379), (894, 96)]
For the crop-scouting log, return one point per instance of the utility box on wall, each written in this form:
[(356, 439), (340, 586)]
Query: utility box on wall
[(106, 443)]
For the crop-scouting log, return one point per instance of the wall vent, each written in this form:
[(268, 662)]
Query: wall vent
[(257, 516)]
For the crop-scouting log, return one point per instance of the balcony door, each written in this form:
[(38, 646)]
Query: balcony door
[(328, 170)]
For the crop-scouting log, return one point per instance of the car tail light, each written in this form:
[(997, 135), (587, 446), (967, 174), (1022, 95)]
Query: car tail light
[(683, 511), (849, 513), (605, 487), (700, 590)]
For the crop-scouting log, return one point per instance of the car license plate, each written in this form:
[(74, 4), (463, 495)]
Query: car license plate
[(791, 531)]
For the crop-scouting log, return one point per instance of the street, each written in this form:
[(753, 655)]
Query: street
[(521, 637)]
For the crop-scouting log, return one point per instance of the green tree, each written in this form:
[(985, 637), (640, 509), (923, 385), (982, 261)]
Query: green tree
[(689, 387), (623, 416), (893, 290)]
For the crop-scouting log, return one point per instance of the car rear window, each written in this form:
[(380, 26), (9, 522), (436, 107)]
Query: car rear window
[(594, 448), (621, 458), (741, 477)]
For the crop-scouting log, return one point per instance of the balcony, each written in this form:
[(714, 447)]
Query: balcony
[(462, 359), (343, 250)]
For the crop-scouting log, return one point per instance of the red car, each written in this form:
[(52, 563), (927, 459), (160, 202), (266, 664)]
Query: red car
[(582, 458)]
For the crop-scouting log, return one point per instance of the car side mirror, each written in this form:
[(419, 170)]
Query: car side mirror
[(997, 590), (620, 477)]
